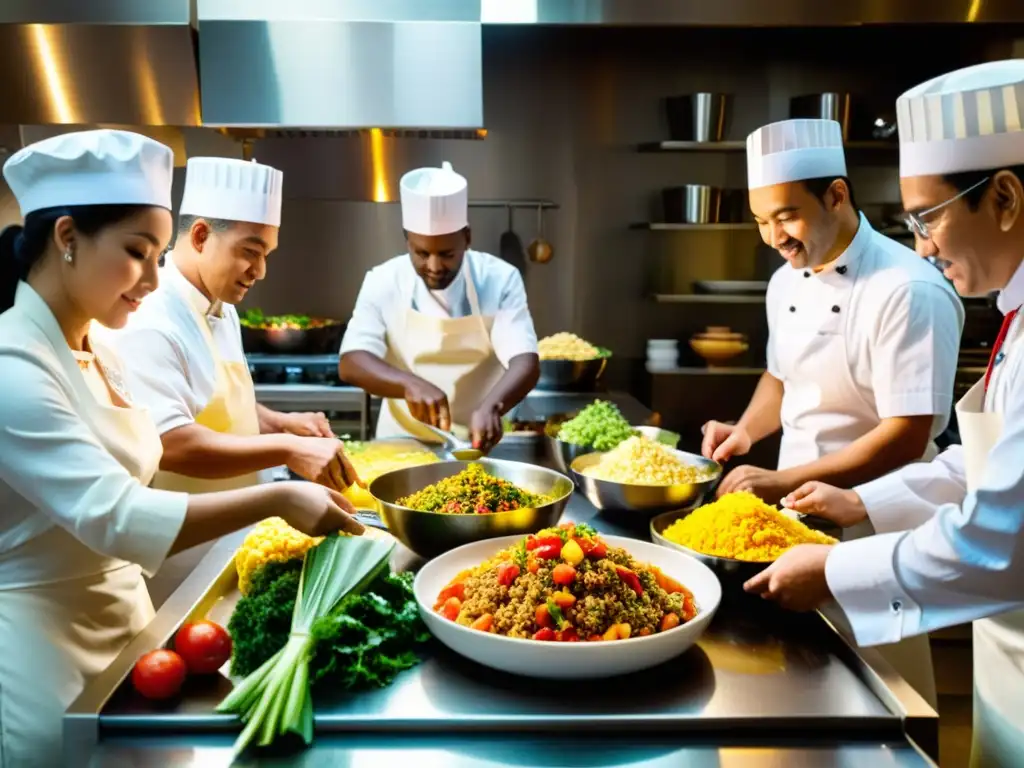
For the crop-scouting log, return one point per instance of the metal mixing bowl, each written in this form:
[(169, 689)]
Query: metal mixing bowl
[(571, 375), (728, 569), (649, 499), (428, 534), (563, 454)]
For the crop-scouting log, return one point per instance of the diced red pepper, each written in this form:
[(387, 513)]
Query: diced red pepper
[(567, 635), (595, 549), (507, 573), (547, 633), (631, 579), (458, 589), (563, 574), (534, 542), (551, 551), (451, 608), (542, 617)]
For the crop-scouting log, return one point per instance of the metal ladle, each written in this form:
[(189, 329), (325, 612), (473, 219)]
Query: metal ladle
[(454, 447), (540, 250)]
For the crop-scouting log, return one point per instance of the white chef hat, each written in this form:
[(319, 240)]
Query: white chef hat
[(795, 150), (967, 120), (435, 201), (233, 190), (101, 167)]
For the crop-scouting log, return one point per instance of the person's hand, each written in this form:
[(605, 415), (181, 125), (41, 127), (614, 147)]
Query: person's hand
[(428, 404), (796, 580), (485, 428), (306, 424), (316, 510), (844, 508), (723, 441), (323, 460), (767, 484)]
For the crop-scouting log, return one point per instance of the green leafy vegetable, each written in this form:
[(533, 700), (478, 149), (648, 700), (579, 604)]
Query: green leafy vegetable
[(600, 426), (275, 699), (262, 619), (582, 529)]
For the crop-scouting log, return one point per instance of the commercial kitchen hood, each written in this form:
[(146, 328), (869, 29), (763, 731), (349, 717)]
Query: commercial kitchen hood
[(341, 64), (76, 62)]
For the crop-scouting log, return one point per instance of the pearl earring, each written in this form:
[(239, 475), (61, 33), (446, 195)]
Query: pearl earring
[(69, 256)]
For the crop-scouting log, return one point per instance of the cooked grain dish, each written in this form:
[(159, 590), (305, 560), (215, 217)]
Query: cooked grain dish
[(566, 346), (472, 492), (742, 527), (566, 584), (639, 460)]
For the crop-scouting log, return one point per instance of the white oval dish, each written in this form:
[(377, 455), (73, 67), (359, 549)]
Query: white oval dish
[(565, 661)]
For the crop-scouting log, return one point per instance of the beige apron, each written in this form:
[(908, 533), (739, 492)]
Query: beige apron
[(231, 410), (999, 641), (453, 354), (66, 611), (810, 349)]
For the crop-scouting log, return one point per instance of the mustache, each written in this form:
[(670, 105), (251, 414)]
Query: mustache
[(790, 244)]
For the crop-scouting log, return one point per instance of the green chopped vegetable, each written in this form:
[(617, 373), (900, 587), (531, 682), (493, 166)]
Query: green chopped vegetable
[(600, 426), (275, 699), (556, 613), (262, 619)]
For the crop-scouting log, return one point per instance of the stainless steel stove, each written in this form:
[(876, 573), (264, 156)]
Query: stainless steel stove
[(310, 383)]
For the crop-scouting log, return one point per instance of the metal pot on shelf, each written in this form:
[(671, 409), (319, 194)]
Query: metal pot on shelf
[(704, 204), (697, 116)]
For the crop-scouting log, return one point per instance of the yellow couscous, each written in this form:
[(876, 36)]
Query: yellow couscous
[(742, 527), (566, 346), (639, 460), (373, 459)]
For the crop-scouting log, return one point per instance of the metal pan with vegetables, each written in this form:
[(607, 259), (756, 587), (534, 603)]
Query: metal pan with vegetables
[(566, 602), (289, 334)]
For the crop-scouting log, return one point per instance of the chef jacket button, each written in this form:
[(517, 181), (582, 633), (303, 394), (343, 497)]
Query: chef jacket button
[(897, 606), (835, 307), (807, 274), (792, 309), (841, 269)]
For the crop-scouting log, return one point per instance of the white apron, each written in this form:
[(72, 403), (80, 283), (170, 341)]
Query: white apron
[(999, 641), (823, 411), (453, 354), (66, 612), (231, 410)]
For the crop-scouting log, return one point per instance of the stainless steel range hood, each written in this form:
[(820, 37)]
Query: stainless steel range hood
[(78, 62), (341, 64)]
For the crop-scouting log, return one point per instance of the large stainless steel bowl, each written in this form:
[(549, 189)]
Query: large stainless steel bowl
[(649, 499), (563, 454), (571, 375), (729, 569), (428, 534)]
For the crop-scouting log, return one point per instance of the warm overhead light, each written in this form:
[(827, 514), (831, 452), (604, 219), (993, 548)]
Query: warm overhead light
[(380, 179)]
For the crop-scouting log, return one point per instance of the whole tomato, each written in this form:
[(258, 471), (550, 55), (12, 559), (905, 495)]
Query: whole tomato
[(159, 674), (204, 646)]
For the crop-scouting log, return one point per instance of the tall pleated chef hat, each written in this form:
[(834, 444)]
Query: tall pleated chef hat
[(435, 201), (795, 150), (101, 167), (233, 190), (967, 120)]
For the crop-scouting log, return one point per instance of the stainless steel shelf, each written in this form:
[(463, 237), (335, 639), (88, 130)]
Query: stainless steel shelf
[(545, 204), (661, 226), (706, 298), (737, 146)]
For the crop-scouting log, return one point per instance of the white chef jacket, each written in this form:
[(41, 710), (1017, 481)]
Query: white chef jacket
[(962, 560), (392, 288), (172, 371), (901, 322), (53, 469)]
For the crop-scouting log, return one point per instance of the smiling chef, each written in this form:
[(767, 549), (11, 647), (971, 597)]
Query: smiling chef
[(184, 345), (443, 332), (863, 338), (950, 532)]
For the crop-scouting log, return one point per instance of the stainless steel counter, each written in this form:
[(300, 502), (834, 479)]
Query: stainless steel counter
[(762, 688)]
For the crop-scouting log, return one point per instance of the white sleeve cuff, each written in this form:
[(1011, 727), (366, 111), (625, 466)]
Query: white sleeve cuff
[(891, 405), (153, 523), (862, 577), (891, 507)]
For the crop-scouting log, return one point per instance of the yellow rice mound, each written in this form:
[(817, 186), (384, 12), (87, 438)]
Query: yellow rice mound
[(742, 527), (639, 460)]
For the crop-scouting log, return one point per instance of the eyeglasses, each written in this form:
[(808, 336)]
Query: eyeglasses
[(915, 221)]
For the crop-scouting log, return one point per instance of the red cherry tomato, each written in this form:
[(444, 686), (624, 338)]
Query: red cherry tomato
[(159, 674), (547, 633), (550, 551), (563, 574), (507, 573), (204, 646)]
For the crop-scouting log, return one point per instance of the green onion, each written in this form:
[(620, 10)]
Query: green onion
[(275, 699)]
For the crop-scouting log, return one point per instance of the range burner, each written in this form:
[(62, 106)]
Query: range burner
[(294, 369)]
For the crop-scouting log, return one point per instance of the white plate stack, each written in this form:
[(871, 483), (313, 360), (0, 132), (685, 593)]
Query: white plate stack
[(662, 355)]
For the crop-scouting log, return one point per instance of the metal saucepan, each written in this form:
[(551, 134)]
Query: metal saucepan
[(428, 534), (320, 340)]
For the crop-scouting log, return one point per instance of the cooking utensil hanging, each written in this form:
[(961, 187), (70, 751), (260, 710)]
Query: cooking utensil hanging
[(540, 250), (511, 247)]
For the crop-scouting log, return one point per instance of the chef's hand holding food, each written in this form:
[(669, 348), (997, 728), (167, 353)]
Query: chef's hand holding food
[(843, 507), (485, 427), (767, 484), (322, 460), (796, 580), (316, 510), (427, 403), (723, 441)]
